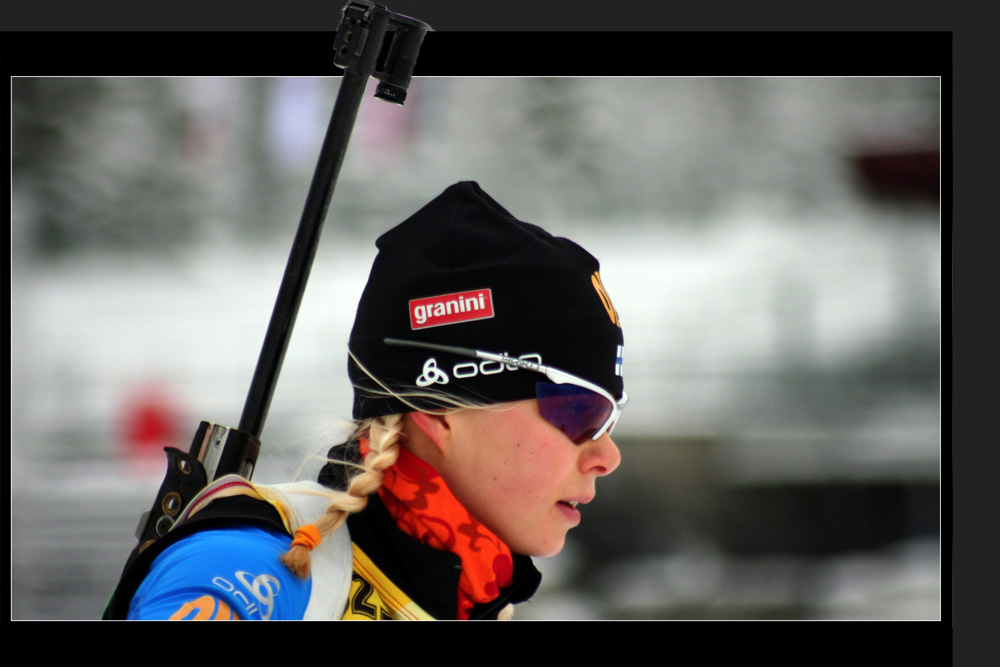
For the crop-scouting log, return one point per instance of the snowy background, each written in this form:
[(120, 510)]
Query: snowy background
[(773, 247)]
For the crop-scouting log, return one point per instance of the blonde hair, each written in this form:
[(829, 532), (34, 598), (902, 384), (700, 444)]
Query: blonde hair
[(384, 434)]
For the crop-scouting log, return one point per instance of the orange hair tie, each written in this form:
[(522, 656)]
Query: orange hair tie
[(307, 536)]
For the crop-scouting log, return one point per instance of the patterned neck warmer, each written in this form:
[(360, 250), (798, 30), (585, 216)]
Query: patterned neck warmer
[(425, 509)]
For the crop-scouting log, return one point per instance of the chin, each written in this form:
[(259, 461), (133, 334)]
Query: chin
[(548, 549)]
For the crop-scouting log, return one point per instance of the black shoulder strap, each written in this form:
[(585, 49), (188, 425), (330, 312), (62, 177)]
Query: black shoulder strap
[(235, 510)]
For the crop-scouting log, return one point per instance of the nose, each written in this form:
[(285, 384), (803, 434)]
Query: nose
[(600, 457)]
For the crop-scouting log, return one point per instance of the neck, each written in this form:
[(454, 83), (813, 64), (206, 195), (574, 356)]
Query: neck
[(423, 507)]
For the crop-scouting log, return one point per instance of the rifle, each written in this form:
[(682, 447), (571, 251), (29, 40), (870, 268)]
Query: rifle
[(220, 450)]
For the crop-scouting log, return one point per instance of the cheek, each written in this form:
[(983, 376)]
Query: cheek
[(518, 459), (540, 464), (529, 468)]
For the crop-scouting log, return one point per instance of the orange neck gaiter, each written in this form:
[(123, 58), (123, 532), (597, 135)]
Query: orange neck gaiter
[(424, 508)]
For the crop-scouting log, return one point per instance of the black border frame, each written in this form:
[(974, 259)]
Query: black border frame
[(574, 38)]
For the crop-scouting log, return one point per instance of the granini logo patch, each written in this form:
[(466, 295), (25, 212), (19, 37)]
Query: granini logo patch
[(436, 311)]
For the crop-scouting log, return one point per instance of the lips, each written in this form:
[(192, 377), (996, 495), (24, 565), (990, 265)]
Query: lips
[(574, 503), (578, 500)]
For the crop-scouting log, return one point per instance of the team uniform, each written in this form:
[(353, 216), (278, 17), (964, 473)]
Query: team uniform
[(221, 562)]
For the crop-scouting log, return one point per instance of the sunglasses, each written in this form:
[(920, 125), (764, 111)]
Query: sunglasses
[(575, 406)]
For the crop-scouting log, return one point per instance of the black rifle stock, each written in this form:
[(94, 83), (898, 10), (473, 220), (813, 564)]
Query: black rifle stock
[(219, 450)]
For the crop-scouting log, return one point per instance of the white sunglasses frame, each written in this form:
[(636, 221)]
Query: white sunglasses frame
[(557, 376)]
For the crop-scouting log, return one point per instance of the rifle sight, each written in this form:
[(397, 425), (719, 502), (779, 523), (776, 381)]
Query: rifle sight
[(359, 46)]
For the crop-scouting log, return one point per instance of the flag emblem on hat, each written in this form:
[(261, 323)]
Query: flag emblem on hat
[(618, 361), (436, 311)]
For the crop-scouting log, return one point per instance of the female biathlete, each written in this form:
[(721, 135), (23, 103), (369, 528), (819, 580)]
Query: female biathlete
[(486, 359)]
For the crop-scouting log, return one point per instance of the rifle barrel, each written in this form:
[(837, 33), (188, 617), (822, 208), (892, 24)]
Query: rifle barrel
[(300, 260)]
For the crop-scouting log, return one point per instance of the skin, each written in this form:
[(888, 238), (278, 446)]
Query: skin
[(513, 470)]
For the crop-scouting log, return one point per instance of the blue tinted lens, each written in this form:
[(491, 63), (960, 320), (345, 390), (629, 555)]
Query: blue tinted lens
[(574, 410)]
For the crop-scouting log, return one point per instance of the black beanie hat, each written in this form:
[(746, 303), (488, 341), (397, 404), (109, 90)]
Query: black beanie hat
[(462, 271)]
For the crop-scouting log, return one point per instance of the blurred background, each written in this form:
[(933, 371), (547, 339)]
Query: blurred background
[(773, 246)]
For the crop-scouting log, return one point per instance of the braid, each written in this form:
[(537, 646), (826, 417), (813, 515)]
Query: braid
[(383, 435), (383, 441)]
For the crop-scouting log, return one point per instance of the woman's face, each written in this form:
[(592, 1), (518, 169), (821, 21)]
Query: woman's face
[(521, 476)]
